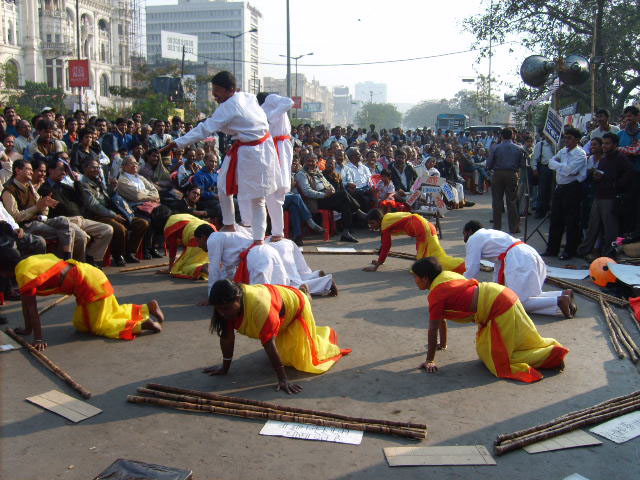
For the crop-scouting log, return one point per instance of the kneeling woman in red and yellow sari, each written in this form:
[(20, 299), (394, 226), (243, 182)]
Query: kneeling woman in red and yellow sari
[(192, 262), (507, 340), (97, 312), (281, 318), (412, 225)]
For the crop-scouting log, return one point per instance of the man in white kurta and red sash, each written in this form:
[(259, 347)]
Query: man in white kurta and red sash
[(249, 168), (276, 108), (517, 266)]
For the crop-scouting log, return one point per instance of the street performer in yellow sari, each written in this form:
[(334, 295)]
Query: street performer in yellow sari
[(192, 262), (97, 312), (507, 340), (413, 225), (282, 319)]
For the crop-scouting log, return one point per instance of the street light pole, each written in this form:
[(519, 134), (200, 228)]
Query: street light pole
[(78, 48), (288, 53), (233, 40), (288, 76)]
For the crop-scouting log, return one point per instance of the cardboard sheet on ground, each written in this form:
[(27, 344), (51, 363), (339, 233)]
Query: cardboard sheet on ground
[(311, 432), (7, 343), (65, 406), (620, 429), (567, 273), (577, 438), (336, 249), (458, 455), (629, 274)]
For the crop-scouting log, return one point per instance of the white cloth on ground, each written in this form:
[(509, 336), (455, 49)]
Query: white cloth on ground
[(297, 269), (242, 118)]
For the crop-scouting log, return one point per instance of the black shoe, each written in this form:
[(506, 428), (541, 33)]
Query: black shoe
[(118, 261), (147, 255), (469, 204), (547, 253), (564, 256), (155, 253), (348, 237), (130, 258), (298, 241)]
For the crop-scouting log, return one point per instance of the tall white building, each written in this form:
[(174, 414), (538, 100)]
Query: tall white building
[(38, 37), (203, 18), (312, 94), (371, 92)]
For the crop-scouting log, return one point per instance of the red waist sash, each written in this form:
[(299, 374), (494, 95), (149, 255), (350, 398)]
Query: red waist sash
[(232, 185), (502, 257)]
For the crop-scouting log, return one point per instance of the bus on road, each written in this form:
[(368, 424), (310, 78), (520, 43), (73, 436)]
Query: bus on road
[(454, 122)]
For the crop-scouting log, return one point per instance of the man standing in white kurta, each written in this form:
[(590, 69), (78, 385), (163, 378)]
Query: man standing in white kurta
[(226, 249), (276, 108), (249, 168), (517, 266)]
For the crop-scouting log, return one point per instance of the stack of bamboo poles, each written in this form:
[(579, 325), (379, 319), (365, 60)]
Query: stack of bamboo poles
[(572, 421), (195, 401), (618, 333), (590, 293)]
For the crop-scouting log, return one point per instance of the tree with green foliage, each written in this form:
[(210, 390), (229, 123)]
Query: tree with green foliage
[(382, 115), (33, 97), (556, 28), (154, 105)]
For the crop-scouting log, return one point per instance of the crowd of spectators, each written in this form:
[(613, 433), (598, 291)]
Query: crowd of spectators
[(99, 191)]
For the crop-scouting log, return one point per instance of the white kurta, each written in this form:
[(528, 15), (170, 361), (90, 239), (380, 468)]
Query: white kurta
[(524, 270), (224, 249), (242, 118), (276, 108), (298, 271)]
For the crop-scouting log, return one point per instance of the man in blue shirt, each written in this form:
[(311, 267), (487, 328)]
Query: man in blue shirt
[(118, 139), (207, 179), (630, 134)]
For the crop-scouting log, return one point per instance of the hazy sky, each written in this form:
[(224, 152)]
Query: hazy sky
[(354, 31)]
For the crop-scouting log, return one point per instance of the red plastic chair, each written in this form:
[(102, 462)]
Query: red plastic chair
[(328, 223), (106, 261)]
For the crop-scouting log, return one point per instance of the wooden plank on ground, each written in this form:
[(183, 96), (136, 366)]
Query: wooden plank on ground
[(448, 455), (65, 406), (577, 438)]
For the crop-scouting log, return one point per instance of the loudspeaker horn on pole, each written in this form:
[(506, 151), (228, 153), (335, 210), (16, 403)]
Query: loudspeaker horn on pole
[(535, 70), (573, 70)]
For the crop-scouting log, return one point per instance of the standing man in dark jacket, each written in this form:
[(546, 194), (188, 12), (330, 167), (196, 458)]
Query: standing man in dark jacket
[(611, 178), (505, 160)]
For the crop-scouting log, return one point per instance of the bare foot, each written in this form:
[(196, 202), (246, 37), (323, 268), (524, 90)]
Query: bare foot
[(304, 289), (573, 306), (152, 326), (333, 292), (321, 273), (441, 347), (155, 310), (564, 303)]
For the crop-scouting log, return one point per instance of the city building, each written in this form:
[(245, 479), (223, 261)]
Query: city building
[(317, 100), (214, 22), (343, 106), (38, 37), (371, 92)]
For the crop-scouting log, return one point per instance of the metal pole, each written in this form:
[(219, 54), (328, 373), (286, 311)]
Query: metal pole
[(595, 52), (296, 110), (78, 48), (288, 53), (488, 109), (234, 56), (182, 68)]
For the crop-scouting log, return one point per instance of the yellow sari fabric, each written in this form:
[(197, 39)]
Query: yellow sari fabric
[(192, 260), (427, 242), (507, 340), (285, 313), (97, 311)]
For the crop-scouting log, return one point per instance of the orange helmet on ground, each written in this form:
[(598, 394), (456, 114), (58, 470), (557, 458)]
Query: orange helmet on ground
[(599, 271)]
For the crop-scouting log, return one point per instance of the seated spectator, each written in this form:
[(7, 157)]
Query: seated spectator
[(139, 191), (331, 174), (372, 161), (207, 179), (318, 193), (26, 243), (7, 158), (402, 175), (356, 177), (39, 165), (159, 139), (82, 153), (71, 137), (127, 233), (71, 204), (386, 195), (156, 172), (45, 143), (189, 203), (30, 211), (117, 139), (24, 138), (187, 170)]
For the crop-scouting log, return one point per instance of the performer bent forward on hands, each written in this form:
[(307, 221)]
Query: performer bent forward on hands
[(507, 340), (98, 311), (412, 225), (281, 318)]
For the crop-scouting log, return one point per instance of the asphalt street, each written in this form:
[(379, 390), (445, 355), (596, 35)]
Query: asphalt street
[(382, 316)]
